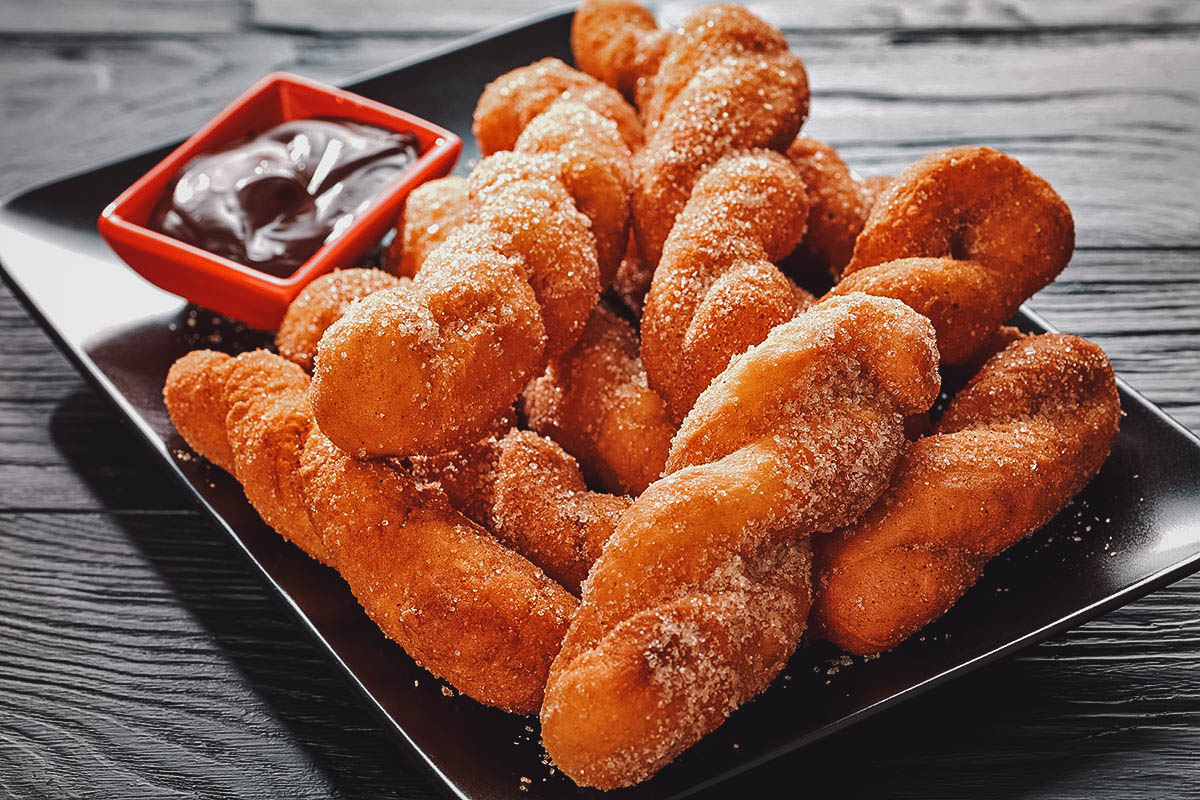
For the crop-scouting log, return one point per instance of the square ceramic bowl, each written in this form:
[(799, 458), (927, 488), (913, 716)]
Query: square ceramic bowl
[(243, 292)]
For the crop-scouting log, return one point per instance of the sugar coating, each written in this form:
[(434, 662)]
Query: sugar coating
[(322, 303), (699, 597), (509, 103), (431, 212), (716, 290), (425, 368), (463, 605), (1013, 447), (594, 400)]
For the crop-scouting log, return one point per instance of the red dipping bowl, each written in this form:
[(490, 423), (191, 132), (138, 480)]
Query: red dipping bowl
[(243, 292)]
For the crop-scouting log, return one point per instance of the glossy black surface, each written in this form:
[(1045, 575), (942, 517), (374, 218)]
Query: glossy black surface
[(1137, 524)]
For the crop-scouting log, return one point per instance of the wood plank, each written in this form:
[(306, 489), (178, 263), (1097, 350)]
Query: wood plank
[(119, 17), (136, 94), (1109, 129), (62, 447), (143, 659), (1118, 125), (126, 636), (377, 16)]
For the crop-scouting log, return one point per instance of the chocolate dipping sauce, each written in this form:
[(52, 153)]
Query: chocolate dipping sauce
[(271, 201)]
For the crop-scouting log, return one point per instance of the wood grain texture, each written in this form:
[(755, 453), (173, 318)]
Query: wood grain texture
[(957, 18), (140, 658)]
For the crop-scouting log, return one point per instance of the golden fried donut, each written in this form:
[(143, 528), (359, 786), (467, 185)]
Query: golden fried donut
[(873, 187), (728, 82), (261, 401), (543, 509), (1024, 437), (530, 493), (595, 402), (194, 394), (322, 303), (618, 42), (509, 103), (431, 212), (837, 204), (596, 172), (965, 301), (993, 233), (424, 369), (461, 604), (972, 204), (716, 290), (700, 596)]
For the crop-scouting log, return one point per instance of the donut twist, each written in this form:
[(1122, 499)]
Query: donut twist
[(727, 82), (425, 368), (964, 236), (464, 606), (249, 415), (322, 303), (716, 290), (595, 402), (620, 43), (461, 603), (1028, 432), (700, 596), (509, 103)]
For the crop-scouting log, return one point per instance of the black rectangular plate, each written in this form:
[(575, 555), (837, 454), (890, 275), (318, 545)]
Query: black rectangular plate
[(1135, 528)]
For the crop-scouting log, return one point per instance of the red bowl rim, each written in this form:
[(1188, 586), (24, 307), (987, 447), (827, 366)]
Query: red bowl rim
[(112, 222)]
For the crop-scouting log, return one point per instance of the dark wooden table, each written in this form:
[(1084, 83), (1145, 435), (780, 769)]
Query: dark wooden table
[(140, 657)]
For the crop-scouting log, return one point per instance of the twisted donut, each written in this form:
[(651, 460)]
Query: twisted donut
[(428, 367), (593, 400), (837, 204), (717, 291), (700, 595), (258, 404), (1024, 437), (964, 300), (972, 204), (531, 495), (322, 303), (726, 83), (509, 103), (991, 232), (618, 42), (431, 212), (873, 187), (461, 604)]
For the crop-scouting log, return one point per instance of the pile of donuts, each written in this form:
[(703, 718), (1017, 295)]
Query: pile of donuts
[(586, 451)]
